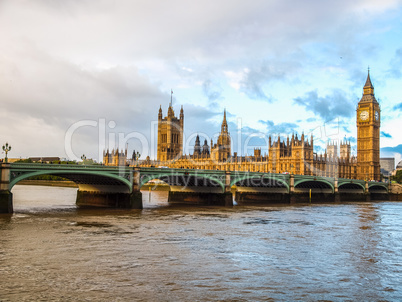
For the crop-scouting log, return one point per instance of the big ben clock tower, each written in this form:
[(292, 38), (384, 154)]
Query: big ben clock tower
[(368, 134)]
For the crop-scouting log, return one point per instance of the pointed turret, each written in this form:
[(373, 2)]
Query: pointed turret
[(368, 91), (224, 127), (197, 146), (368, 88), (160, 113), (205, 148), (170, 111), (181, 123), (368, 81)]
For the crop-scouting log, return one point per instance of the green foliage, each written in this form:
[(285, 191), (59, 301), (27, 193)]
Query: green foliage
[(58, 162), (47, 177), (27, 160), (398, 176), (88, 162)]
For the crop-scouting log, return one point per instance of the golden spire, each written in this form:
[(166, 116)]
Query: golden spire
[(368, 87), (224, 127)]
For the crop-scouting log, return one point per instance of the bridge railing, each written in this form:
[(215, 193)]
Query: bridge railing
[(33, 166), (63, 166)]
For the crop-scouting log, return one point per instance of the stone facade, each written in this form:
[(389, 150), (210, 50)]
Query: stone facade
[(387, 165), (291, 155), (170, 135), (115, 158)]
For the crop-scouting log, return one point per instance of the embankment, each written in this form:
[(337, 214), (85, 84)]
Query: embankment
[(51, 183)]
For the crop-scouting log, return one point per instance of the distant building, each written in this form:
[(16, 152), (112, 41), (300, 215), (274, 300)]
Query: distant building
[(398, 168), (115, 158), (45, 159), (387, 165), (11, 160)]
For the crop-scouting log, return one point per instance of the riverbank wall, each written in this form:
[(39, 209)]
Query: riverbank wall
[(49, 183)]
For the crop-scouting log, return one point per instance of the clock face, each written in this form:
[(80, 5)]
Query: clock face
[(377, 116), (364, 115)]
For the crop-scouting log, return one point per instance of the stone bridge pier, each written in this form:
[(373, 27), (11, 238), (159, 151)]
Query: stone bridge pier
[(6, 197), (195, 189), (97, 186), (111, 196)]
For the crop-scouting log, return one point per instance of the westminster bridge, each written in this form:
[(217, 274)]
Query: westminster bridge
[(119, 187)]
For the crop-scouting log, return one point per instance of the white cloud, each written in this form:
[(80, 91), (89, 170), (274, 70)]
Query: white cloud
[(234, 78), (65, 61)]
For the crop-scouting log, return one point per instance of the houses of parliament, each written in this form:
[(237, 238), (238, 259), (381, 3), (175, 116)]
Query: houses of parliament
[(293, 155)]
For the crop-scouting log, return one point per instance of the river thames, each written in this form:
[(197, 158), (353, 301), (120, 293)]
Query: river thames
[(52, 251)]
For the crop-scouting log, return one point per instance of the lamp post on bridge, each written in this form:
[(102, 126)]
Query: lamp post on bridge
[(6, 197), (6, 149), (136, 156)]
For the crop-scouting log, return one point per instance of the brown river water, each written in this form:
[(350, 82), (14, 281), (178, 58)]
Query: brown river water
[(52, 251)]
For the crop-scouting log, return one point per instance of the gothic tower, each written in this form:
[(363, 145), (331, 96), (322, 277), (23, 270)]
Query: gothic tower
[(205, 148), (345, 149), (332, 149), (170, 135), (222, 149), (197, 146), (368, 134)]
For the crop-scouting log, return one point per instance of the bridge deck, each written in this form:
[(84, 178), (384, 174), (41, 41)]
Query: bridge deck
[(123, 175)]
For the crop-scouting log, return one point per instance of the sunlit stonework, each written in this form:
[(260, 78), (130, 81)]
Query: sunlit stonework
[(292, 155), (368, 134)]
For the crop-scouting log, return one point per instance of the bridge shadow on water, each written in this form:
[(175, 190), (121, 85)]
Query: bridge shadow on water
[(29, 199), (39, 199)]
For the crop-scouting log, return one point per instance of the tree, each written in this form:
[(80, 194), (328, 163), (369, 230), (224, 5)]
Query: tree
[(27, 160), (398, 176), (136, 155)]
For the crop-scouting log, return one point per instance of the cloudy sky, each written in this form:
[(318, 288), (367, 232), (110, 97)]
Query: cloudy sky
[(75, 75)]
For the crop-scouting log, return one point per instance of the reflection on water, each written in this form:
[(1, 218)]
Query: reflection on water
[(49, 250)]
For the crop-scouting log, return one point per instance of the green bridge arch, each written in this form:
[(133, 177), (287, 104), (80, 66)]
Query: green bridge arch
[(376, 184), (67, 173), (124, 175), (352, 183), (147, 177), (300, 181), (247, 176)]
